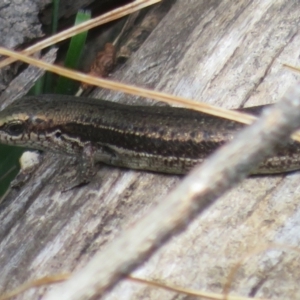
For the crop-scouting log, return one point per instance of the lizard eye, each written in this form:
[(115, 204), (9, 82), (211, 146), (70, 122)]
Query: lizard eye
[(15, 128)]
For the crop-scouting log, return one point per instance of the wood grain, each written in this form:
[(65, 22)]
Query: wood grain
[(221, 52)]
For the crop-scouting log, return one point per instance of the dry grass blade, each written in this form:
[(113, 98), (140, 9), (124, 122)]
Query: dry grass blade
[(293, 68), (110, 16), (36, 283), (57, 278), (128, 89), (121, 87), (190, 292)]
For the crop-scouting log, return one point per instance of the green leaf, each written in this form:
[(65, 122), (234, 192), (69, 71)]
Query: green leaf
[(66, 85), (9, 165)]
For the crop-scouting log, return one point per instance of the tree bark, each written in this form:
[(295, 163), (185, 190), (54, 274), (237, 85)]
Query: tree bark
[(221, 52)]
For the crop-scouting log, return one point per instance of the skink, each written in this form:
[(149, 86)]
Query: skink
[(156, 138)]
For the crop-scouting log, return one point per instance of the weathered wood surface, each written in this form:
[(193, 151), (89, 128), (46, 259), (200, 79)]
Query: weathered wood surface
[(18, 24), (221, 52)]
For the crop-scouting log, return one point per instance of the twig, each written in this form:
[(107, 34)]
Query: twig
[(224, 169)]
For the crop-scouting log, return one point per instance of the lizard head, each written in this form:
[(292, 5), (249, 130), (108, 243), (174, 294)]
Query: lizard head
[(13, 129), (38, 123), (19, 124)]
